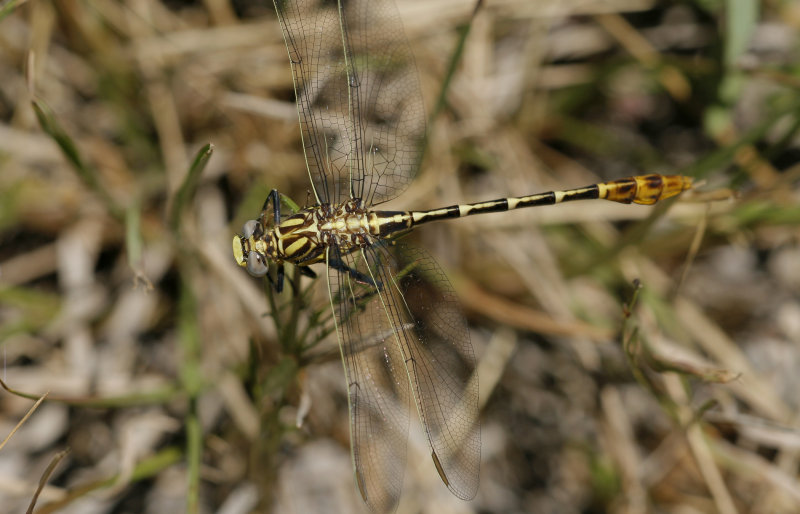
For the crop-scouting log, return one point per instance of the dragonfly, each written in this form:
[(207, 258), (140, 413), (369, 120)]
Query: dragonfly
[(403, 339)]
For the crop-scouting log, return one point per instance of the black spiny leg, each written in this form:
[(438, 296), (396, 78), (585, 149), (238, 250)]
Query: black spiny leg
[(279, 279), (305, 270), (354, 274), (276, 206), (275, 198)]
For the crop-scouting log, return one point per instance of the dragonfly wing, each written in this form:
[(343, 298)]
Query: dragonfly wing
[(378, 389), (358, 97), (396, 304), (441, 366)]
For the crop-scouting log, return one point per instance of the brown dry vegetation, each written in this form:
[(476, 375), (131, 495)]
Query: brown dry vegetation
[(173, 389)]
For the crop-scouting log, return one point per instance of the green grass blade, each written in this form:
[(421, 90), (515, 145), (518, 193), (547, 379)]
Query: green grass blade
[(192, 381), (189, 185), (741, 17), (10, 7), (88, 174), (458, 53), (147, 468)]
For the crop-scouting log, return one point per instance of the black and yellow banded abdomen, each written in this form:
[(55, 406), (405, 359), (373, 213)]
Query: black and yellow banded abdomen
[(641, 189)]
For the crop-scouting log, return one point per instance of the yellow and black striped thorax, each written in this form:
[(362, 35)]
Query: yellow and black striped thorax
[(302, 238)]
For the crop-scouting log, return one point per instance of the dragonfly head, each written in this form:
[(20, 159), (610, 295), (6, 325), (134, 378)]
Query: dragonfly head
[(250, 249)]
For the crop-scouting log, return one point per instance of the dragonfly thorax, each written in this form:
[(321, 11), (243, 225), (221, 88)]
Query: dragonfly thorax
[(302, 238)]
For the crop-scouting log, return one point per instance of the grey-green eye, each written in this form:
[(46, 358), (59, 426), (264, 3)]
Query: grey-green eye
[(249, 229), (255, 264)]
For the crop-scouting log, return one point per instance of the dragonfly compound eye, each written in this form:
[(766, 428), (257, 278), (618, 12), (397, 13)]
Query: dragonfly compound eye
[(249, 228), (256, 265)]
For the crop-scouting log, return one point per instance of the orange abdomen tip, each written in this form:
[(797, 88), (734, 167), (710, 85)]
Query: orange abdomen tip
[(644, 189), (653, 188)]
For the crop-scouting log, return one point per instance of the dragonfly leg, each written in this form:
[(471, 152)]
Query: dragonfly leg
[(278, 282), (276, 206), (275, 198), (356, 275), (307, 271)]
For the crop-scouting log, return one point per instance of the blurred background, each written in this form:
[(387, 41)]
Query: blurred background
[(170, 376)]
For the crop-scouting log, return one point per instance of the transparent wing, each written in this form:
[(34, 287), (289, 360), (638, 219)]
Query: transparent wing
[(358, 97), (400, 326)]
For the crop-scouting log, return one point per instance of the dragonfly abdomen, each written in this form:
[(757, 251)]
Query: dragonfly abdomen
[(641, 189)]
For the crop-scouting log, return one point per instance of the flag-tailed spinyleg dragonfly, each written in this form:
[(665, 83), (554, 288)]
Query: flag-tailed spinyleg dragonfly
[(402, 336)]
